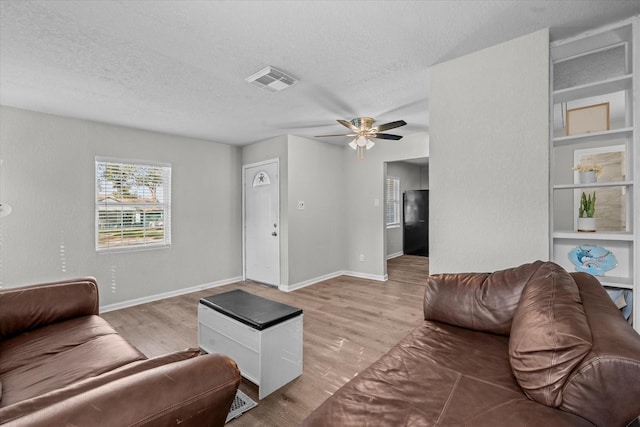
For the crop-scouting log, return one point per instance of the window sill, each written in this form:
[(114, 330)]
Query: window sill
[(122, 249)]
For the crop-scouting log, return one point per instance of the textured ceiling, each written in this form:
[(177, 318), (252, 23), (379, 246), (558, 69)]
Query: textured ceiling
[(179, 66)]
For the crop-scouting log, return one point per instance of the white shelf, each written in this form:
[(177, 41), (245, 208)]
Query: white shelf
[(615, 84), (594, 185), (597, 235), (592, 39), (593, 137), (616, 282)]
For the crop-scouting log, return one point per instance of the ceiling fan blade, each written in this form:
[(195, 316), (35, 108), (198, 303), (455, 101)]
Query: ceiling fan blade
[(349, 125), (391, 125), (342, 134), (385, 136)]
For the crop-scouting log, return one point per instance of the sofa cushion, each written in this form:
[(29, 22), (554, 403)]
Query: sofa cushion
[(441, 375), (550, 335), (75, 349), (479, 301)]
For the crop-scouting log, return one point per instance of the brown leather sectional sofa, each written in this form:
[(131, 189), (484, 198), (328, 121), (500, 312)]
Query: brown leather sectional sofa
[(528, 346), (62, 364)]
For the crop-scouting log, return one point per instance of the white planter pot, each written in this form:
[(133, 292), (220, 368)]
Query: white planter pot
[(586, 224), (589, 177)]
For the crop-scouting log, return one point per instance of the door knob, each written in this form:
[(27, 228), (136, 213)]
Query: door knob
[(274, 234)]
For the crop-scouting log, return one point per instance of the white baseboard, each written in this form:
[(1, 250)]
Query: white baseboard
[(396, 255), (156, 297), (366, 276), (305, 283)]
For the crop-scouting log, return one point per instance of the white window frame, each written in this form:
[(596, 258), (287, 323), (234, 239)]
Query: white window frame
[(145, 230), (392, 202)]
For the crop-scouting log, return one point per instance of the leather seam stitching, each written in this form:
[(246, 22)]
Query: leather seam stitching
[(446, 404)]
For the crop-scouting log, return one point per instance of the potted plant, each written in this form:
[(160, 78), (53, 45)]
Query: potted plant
[(586, 221), (587, 173)]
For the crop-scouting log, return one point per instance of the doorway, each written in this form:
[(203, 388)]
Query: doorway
[(412, 174), (261, 222)]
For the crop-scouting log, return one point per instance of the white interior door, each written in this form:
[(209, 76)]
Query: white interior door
[(261, 223)]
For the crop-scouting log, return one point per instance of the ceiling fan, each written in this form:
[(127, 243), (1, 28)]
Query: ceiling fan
[(363, 130)]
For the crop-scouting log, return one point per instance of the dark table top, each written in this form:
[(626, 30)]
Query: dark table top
[(258, 312)]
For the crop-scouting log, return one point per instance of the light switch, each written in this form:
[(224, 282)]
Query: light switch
[(376, 202)]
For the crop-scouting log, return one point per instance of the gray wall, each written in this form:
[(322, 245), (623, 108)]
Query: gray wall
[(424, 177), (489, 166), (48, 177), (316, 233)]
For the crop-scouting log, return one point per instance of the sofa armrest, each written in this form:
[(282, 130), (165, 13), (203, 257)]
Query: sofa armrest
[(604, 387), (192, 392), (30, 307)]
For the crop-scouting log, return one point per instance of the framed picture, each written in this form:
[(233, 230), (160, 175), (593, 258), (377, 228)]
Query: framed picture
[(592, 118)]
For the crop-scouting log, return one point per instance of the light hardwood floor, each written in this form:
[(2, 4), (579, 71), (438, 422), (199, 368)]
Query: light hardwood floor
[(348, 324)]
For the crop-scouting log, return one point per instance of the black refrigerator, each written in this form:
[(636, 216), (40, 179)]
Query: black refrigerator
[(415, 222)]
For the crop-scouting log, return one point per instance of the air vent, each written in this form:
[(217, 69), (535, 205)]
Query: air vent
[(271, 79)]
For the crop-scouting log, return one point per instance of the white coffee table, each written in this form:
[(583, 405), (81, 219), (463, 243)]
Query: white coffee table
[(264, 337)]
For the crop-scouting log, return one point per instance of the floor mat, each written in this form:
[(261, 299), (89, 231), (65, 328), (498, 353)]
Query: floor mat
[(241, 404)]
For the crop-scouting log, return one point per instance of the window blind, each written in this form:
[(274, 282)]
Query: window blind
[(133, 204), (392, 202)]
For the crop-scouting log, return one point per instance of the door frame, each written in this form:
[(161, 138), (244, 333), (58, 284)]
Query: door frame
[(244, 240)]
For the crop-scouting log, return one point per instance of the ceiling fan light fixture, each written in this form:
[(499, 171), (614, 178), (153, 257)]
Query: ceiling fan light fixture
[(353, 144), (361, 141), (370, 144)]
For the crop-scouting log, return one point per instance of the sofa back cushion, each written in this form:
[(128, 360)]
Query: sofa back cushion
[(480, 301), (550, 335), (30, 307)]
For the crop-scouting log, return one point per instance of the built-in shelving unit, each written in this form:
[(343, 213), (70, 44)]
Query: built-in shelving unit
[(599, 66)]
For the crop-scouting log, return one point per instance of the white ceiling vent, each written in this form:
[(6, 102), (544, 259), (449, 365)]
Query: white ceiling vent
[(271, 79)]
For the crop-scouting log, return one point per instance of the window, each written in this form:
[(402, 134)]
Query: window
[(133, 205), (392, 202)]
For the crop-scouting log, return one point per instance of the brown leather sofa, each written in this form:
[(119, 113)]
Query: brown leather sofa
[(528, 346), (63, 365)]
